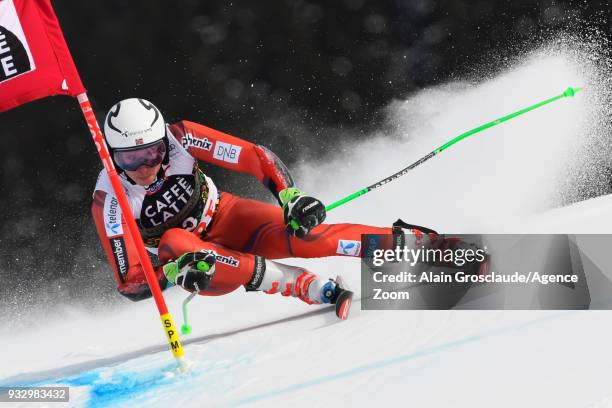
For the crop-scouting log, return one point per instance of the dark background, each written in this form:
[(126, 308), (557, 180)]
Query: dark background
[(280, 73)]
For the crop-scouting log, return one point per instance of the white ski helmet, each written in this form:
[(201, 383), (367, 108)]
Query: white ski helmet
[(133, 122), (136, 124)]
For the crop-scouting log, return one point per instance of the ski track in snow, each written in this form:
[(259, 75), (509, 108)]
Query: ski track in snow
[(148, 380), (254, 349)]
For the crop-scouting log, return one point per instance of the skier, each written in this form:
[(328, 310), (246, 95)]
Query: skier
[(206, 240)]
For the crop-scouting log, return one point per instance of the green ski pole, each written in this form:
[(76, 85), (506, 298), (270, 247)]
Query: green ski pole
[(186, 327), (569, 92)]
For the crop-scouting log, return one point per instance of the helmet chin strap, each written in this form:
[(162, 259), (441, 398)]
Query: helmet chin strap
[(166, 160), (161, 174)]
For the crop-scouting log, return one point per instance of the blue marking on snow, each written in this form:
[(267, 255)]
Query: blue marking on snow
[(393, 361), (124, 386), (148, 380), (107, 387)]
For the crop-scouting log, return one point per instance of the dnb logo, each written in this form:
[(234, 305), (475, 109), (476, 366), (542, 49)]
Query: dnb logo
[(15, 56), (227, 152)]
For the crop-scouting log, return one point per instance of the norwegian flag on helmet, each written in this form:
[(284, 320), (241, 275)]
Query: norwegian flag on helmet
[(34, 59)]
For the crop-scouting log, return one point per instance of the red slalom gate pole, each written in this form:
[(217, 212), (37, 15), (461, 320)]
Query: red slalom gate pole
[(167, 322)]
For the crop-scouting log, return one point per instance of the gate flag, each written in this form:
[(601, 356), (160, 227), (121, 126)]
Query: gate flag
[(34, 63), (34, 59)]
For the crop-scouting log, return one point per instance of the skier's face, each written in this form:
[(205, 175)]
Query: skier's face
[(141, 164), (144, 175), (134, 157)]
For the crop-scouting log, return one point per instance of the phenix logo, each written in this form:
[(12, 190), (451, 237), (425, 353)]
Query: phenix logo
[(228, 260), (189, 141)]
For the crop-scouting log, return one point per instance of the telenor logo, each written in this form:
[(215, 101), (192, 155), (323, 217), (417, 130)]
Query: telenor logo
[(112, 216)]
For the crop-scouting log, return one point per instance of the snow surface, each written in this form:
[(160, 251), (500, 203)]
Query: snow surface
[(260, 350)]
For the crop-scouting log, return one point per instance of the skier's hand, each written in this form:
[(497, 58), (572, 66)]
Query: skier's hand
[(192, 270), (302, 213)]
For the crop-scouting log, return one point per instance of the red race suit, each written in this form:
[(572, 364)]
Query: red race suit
[(184, 212)]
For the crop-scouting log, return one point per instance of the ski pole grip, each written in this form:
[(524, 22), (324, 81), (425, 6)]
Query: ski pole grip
[(203, 266), (294, 225)]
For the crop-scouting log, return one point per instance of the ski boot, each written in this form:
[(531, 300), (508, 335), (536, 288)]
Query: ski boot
[(470, 268), (336, 293), (432, 240)]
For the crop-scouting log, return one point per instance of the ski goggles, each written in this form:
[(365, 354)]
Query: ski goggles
[(131, 159)]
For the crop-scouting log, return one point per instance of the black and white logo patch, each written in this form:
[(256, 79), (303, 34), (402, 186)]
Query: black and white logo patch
[(15, 55), (167, 201), (258, 274), (120, 255)]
